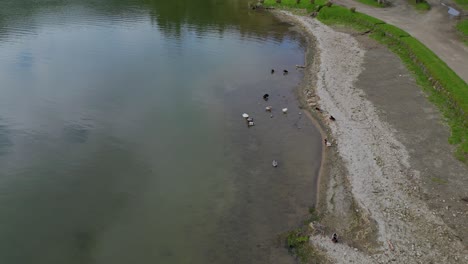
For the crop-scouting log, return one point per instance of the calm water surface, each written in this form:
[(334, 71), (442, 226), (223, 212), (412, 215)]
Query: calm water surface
[(121, 137)]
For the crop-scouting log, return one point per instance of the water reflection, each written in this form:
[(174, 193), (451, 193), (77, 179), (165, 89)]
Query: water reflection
[(125, 143), (171, 17)]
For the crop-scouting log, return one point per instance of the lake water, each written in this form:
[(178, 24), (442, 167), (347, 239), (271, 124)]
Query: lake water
[(121, 136)]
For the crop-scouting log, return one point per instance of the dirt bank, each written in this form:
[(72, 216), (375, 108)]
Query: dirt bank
[(381, 193)]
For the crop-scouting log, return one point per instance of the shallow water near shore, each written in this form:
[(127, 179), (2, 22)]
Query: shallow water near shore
[(121, 136)]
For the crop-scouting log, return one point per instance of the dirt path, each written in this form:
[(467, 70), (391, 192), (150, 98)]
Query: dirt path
[(435, 29)]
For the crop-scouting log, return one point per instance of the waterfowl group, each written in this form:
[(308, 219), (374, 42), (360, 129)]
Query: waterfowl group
[(265, 97), (284, 71)]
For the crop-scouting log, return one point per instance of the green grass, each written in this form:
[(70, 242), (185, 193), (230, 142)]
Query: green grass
[(371, 3), (462, 3), (438, 180), (304, 4), (462, 27), (337, 15), (451, 95), (297, 243), (423, 6)]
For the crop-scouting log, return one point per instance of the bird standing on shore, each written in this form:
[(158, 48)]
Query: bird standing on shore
[(334, 238)]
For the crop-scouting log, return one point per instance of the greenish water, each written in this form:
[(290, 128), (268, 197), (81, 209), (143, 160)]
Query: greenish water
[(121, 136)]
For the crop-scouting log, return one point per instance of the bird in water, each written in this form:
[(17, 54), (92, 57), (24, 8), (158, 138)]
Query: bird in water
[(274, 163), (272, 71), (265, 97), (285, 72)]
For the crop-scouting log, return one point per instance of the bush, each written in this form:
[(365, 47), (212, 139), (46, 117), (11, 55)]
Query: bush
[(353, 10)]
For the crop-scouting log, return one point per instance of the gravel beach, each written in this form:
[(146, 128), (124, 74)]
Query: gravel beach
[(372, 174)]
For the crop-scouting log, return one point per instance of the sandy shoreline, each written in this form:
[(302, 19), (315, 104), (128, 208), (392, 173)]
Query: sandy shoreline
[(369, 190)]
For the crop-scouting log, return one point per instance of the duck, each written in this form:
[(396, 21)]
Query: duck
[(268, 108), (334, 238), (265, 97), (274, 163), (272, 71), (285, 72)]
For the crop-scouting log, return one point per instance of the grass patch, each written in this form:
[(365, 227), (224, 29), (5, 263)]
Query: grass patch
[(337, 15), (372, 3), (462, 3), (444, 87), (291, 4), (297, 243), (422, 6), (438, 180), (462, 28)]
